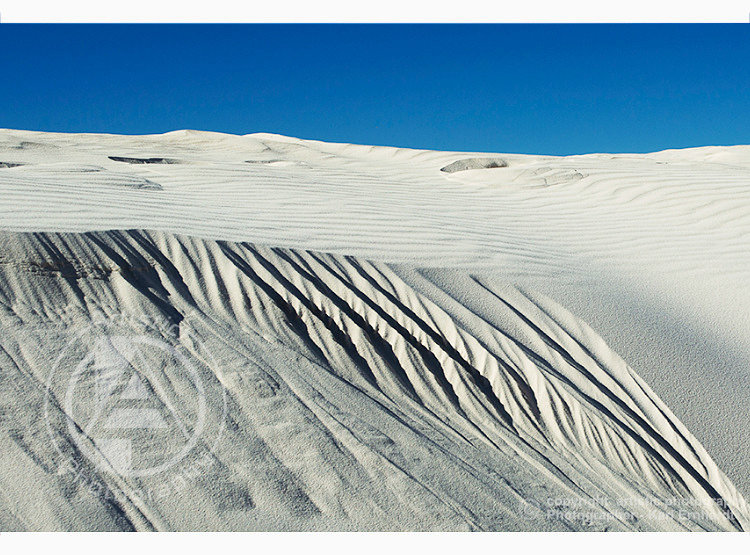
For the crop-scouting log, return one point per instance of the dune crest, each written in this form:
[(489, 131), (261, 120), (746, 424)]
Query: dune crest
[(213, 332)]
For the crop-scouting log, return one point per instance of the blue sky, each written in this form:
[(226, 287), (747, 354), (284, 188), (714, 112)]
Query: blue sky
[(548, 89)]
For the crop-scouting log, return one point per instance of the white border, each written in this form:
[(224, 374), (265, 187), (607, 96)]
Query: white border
[(350, 11), (349, 543)]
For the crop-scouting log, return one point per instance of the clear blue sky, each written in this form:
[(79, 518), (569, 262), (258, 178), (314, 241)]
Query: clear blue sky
[(550, 89)]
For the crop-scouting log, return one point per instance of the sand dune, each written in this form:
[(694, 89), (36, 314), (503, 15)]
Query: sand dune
[(375, 343)]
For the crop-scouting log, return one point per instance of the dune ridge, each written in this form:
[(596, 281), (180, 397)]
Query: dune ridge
[(386, 339), (528, 393)]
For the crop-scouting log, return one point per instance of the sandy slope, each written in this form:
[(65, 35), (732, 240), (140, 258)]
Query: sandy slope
[(438, 386)]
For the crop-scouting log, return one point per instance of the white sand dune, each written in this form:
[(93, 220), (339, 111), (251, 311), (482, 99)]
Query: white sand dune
[(381, 338)]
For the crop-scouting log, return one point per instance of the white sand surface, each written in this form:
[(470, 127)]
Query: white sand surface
[(356, 337)]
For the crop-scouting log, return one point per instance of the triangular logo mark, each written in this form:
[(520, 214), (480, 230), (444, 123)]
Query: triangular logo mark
[(135, 389)]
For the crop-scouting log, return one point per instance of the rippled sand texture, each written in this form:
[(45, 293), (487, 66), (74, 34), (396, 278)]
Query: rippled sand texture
[(385, 338)]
